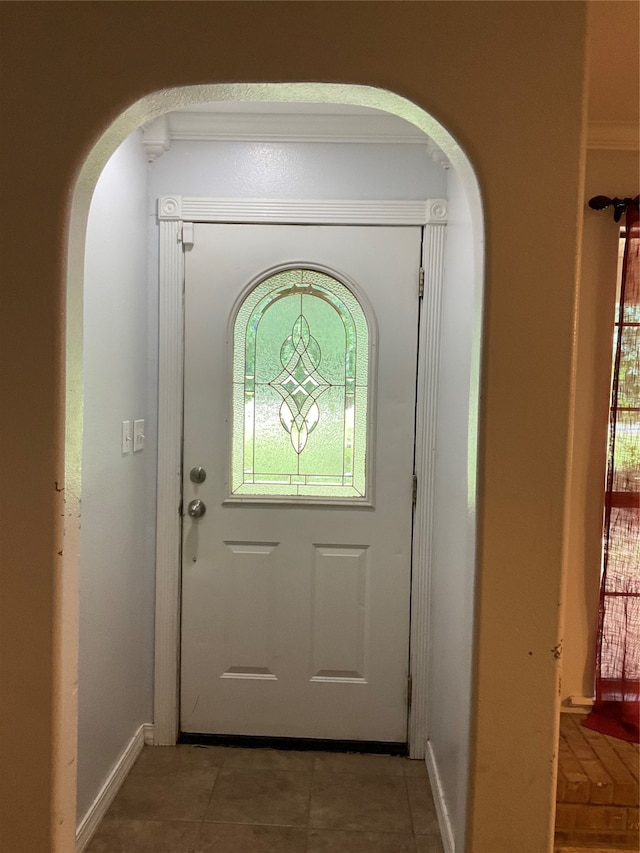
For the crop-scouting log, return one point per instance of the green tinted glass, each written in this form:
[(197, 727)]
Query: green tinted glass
[(300, 371)]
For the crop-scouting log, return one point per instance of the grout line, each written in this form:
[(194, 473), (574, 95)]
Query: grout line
[(197, 837), (406, 788), (213, 787), (413, 828), (308, 826)]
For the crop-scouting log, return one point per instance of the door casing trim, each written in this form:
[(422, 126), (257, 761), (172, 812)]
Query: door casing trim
[(174, 212)]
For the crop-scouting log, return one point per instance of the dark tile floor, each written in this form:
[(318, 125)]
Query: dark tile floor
[(190, 799)]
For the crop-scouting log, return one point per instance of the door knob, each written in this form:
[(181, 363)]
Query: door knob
[(196, 508)]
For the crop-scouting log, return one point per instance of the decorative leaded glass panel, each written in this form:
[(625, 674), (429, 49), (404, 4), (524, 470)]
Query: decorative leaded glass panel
[(300, 373)]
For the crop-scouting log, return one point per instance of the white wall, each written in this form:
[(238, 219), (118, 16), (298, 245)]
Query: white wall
[(296, 170), (453, 546), (117, 539)]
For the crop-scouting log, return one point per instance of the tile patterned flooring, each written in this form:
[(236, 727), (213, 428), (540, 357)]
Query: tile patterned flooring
[(191, 799)]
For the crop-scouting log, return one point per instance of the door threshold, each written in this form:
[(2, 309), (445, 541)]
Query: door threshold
[(299, 743)]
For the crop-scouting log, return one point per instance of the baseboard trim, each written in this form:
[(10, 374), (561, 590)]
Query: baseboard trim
[(444, 822), (577, 705), (107, 793)]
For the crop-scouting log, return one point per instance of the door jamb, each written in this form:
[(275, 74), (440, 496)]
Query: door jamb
[(175, 215)]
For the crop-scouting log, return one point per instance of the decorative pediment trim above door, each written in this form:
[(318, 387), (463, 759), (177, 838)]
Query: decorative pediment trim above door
[(302, 211)]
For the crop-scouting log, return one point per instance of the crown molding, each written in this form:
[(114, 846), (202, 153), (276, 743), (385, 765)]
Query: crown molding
[(156, 138), (371, 129), (283, 127), (615, 136), (291, 127)]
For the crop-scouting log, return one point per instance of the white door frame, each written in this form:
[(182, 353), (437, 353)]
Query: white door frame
[(176, 215)]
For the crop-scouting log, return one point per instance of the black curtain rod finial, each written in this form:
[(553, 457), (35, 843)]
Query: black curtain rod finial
[(602, 202)]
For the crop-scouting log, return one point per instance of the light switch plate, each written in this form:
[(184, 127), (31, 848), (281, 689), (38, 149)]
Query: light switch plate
[(126, 437), (138, 435)]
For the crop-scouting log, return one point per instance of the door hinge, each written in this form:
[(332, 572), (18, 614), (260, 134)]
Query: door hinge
[(187, 235), (421, 283), (414, 489), (409, 690)]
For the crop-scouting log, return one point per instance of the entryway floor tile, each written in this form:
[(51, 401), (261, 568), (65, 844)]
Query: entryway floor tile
[(234, 838), (268, 797), (365, 802), (192, 799), (143, 836), (429, 844), (157, 760), (268, 759), (176, 793), (340, 841), (337, 762), (423, 810)]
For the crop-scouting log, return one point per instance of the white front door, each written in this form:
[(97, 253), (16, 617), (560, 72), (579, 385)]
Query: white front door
[(300, 379)]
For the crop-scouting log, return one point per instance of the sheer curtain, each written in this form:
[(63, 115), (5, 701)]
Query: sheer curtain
[(617, 706)]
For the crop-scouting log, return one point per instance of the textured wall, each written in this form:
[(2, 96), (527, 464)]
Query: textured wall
[(297, 170), (117, 536)]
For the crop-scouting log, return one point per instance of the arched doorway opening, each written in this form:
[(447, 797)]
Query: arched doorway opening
[(446, 427)]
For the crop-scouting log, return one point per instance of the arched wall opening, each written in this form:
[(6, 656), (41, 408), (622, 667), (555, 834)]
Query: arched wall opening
[(449, 587)]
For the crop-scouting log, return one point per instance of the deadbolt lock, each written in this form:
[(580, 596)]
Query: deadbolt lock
[(196, 508)]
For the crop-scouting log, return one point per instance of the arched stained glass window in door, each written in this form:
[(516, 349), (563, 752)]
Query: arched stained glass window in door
[(300, 377)]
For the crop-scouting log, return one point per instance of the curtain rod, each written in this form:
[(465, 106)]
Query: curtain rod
[(602, 202)]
